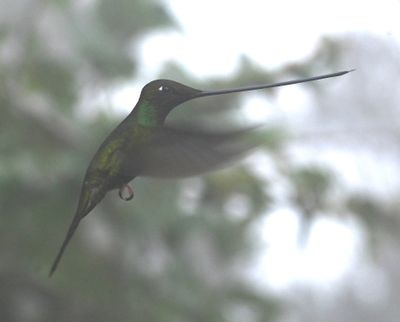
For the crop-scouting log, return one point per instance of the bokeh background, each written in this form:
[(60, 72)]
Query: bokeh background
[(304, 229)]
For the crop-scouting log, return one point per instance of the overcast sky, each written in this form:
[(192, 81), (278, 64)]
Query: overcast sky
[(214, 34)]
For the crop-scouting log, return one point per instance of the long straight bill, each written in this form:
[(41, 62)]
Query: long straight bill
[(252, 88)]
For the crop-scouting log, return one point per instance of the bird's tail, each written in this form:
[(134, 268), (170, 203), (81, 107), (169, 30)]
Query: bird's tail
[(88, 200), (71, 230)]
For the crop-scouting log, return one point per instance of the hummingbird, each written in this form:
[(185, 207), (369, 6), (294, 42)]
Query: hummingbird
[(142, 145)]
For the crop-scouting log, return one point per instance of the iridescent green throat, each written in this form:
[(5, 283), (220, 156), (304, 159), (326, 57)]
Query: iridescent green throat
[(148, 115)]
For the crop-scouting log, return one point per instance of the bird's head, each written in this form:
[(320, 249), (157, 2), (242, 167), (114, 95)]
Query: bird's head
[(160, 96), (167, 94)]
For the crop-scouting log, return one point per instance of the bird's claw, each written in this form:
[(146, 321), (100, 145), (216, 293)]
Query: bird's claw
[(126, 192)]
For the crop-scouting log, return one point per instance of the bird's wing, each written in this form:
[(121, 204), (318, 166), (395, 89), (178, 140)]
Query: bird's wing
[(176, 153)]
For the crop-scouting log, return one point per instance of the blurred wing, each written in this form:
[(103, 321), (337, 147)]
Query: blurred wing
[(177, 153)]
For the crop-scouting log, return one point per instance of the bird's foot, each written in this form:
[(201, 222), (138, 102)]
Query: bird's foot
[(126, 192)]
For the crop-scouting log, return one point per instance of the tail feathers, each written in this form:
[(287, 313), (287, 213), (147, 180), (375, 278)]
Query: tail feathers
[(71, 230), (89, 198)]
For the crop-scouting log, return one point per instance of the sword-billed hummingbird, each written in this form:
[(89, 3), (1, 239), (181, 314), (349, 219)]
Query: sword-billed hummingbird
[(142, 146)]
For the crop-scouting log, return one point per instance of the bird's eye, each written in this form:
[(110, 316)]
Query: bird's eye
[(163, 89)]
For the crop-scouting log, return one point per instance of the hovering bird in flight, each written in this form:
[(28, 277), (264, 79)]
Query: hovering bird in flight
[(141, 145)]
